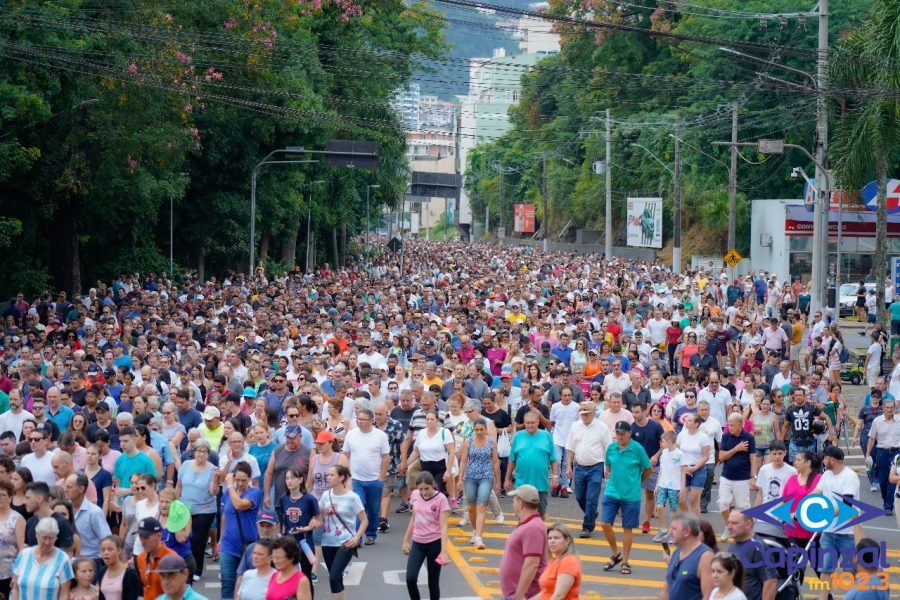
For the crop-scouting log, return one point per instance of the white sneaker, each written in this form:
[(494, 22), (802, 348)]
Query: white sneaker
[(479, 543), (464, 522), (724, 536), (500, 519)]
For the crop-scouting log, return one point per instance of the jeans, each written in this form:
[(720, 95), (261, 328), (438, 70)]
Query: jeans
[(336, 559), (370, 494), (871, 474), (837, 551), (504, 465), (883, 461), (561, 463), (420, 552), (794, 449), (228, 565), (706, 496), (588, 481)]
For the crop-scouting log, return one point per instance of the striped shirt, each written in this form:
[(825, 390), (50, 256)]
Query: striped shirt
[(41, 581)]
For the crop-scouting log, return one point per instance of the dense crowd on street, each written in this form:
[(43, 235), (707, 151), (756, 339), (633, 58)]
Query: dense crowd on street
[(281, 425)]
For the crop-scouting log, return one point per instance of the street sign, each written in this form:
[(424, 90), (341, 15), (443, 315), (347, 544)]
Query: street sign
[(771, 146), (394, 245), (870, 192), (732, 258)]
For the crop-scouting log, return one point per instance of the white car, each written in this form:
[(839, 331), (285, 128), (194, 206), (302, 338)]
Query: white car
[(848, 297)]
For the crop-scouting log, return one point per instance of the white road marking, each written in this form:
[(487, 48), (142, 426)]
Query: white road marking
[(398, 577)]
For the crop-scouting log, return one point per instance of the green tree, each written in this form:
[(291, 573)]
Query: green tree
[(869, 135)]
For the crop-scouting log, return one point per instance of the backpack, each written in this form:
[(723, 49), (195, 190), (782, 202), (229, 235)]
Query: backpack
[(843, 354)]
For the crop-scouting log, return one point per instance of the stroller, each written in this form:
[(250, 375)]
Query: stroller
[(789, 584)]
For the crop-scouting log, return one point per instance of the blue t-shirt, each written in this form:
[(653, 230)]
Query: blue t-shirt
[(533, 454), (262, 454), (102, 480), (62, 418), (238, 533), (296, 513), (737, 468), (868, 593), (195, 488)]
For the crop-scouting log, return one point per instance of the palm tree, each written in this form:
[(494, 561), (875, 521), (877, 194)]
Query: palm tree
[(865, 71)]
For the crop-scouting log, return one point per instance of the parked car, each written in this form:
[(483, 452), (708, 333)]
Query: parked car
[(848, 297)]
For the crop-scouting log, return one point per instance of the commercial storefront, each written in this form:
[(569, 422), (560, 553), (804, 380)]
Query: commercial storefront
[(781, 237)]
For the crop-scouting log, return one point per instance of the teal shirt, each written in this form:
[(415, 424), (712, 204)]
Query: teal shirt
[(533, 453), (895, 310), (126, 466), (625, 468)]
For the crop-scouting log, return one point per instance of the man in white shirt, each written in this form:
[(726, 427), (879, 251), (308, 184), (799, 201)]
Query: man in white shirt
[(883, 447), (657, 326), (371, 355), (773, 475), (783, 376), (586, 446), (617, 381), (613, 413), (13, 419), (712, 427), (40, 460), (873, 361), (718, 398), (563, 415), (369, 452), (837, 483)]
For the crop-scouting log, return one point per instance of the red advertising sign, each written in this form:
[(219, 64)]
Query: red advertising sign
[(523, 218)]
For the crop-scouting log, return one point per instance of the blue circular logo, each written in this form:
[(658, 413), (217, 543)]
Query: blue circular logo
[(815, 513)]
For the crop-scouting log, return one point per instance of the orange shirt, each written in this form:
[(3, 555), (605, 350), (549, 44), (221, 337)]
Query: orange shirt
[(152, 582), (567, 565)]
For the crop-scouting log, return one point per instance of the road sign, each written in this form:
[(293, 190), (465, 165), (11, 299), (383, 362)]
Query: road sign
[(732, 258), (394, 245), (870, 192), (771, 146)]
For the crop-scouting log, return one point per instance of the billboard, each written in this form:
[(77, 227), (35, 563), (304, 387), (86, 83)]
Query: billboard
[(645, 222), (523, 218)]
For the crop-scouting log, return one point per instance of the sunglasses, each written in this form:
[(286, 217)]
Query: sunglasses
[(36, 439), (293, 415), (140, 489)]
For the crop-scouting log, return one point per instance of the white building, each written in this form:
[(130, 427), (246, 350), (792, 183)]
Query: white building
[(406, 103)]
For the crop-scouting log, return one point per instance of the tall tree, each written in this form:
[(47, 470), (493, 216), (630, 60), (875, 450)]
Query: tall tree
[(866, 64)]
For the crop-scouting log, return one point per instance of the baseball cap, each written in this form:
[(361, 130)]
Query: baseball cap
[(834, 452), (292, 430), (171, 563), (545, 346), (526, 493), (623, 427), (587, 407), (249, 392), (102, 406), (211, 413), (267, 516), (324, 437), (149, 526)]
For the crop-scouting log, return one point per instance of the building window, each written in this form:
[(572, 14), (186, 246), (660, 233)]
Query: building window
[(512, 96)]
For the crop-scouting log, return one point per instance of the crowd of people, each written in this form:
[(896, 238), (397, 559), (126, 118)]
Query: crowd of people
[(273, 424)]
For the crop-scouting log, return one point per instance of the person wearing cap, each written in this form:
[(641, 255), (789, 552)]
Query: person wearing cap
[(268, 528), (525, 552), (586, 447), (212, 429), (627, 467), (292, 454), (837, 483), (532, 459), (42, 570), (146, 563), (174, 573)]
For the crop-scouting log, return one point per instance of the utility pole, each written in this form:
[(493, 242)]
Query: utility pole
[(608, 224), (823, 180), (546, 225), (500, 231), (676, 198), (732, 178)]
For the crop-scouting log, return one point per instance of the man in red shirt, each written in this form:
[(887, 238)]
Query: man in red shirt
[(524, 556)]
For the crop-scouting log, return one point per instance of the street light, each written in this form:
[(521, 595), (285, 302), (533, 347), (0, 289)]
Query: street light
[(309, 221), (368, 227), (266, 161)]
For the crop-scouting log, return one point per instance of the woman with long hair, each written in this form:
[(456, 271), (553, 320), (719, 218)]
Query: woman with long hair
[(20, 478), (798, 487), (433, 449), (479, 465), (116, 579), (561, 578), (101, 478), (695, 449), (197, 488), (78, 425), (728, 577), (344, 523), (426, 537), (12, 536)]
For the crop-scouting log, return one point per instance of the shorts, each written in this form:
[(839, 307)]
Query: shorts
[(392, 483), (871, 318), (733, 492), (318, 533), (667, 497), (649, 484), (836, 541), (762, 452), (631, 512), (697, 479), (478, 491), (795, 351)]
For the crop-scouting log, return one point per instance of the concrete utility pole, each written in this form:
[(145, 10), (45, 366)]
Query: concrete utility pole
[(608, 224), (546, 226), (676, 199), (500, 231), (823, 181), (732, 179)]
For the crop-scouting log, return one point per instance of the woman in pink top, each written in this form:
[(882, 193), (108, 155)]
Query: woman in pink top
[(799, 486), (426, 536), (287, 581), (496, 354)]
